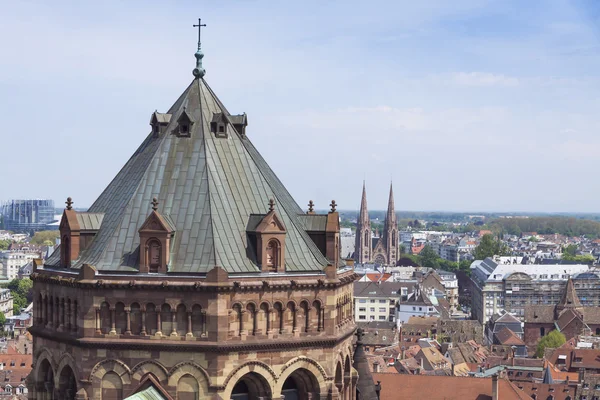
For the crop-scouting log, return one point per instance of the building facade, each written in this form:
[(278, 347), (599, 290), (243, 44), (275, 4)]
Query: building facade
[(195, 275), (6, 302), (13, 260), (384, 249), (376, 301), (506, 284), (28, 215)]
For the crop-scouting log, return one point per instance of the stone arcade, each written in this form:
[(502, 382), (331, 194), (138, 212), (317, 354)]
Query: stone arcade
[(195, 275)]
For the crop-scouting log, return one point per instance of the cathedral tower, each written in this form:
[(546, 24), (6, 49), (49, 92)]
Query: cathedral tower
[(194, 275), (385, 251), (390, 230), (363, 247)]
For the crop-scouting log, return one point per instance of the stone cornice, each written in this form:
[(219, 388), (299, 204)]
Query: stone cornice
[(166, 283), (264, 345)]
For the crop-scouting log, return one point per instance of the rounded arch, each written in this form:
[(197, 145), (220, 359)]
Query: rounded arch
[(265, 305), (339, 376), (255, 367), (45, 377), (311, 372), (110, 365), (43, 355), (189, 368), (66, 360), (347, 370), (149, 366), (67, 383)]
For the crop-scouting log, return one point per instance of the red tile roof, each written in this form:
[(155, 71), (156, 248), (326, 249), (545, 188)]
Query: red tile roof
[(431, 387)]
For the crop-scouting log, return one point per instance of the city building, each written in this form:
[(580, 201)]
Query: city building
[(569, 316), (28, 215), (382, 250), (376, 301), (444, 281), (418, 304), (6, 302), (497, 323), (13, 260), (18, 324), (506, 284), (196, 275)]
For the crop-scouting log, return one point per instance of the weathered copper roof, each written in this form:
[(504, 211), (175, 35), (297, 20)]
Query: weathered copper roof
[(208, 187)]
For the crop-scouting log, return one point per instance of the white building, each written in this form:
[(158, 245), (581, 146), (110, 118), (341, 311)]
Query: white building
[(503, 283), (418, 304), (377, 301), (6, 302), (12, 261)]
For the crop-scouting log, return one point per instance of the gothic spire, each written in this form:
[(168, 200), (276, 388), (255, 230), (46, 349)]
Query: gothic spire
[(391, 212), (364, 213)]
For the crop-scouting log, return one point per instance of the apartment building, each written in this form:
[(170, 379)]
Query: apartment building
[(376, 301), (504, 283), (6, 302)]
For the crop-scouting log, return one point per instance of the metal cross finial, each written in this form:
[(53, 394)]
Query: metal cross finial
[(69, 203), (155, 204), (199, 26), (271, 205), (311, 206), (333, 205), (199, 72)]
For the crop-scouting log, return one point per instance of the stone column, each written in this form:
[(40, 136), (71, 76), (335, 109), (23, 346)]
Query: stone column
[(113, 322), (203, 314), (56, 314), (268, 315), (143, 330), (98, 326), (69, 316), (173, 322), (61, 316), (243, 332), (281, 322), (307, 316), (189, 333), (128, 316), (74, 315), (158, 324), (254, 316)]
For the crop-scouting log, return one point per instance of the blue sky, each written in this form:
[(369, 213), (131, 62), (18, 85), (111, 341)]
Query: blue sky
[(464, 105)]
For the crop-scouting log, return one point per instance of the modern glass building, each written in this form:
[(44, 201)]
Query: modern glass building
[(27, 215)]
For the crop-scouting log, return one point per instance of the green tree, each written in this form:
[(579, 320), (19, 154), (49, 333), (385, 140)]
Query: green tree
[(569, 251), (40, 237), (4, 244), (2, 319), (429, 258), (489, 247), (552, 340)]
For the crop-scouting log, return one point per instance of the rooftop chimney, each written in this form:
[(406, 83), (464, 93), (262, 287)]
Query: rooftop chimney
[(495, 395)]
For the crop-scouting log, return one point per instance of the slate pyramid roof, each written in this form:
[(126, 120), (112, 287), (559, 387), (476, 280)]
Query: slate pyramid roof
[(207, 186), (569, 297)]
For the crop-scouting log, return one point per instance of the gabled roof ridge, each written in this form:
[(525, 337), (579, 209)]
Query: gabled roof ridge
[(208, 173)]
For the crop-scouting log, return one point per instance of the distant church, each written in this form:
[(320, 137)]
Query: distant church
[(376, 249), (195, 275)]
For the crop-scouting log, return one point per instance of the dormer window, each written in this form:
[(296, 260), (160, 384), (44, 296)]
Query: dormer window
[(184, 123), (217, 125), (159, 122), (267, 236), (155, 241)]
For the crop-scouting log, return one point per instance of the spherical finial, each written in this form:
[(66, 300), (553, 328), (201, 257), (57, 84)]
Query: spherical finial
[(69, 203), (155, 204)]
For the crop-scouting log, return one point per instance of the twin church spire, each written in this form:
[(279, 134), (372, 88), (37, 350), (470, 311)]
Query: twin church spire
[(370, 248)]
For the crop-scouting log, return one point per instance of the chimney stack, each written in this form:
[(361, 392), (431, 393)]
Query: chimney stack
[(495, 395)]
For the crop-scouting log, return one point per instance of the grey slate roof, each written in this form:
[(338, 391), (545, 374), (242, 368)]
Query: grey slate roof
[(208, 187), (89, 221)]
